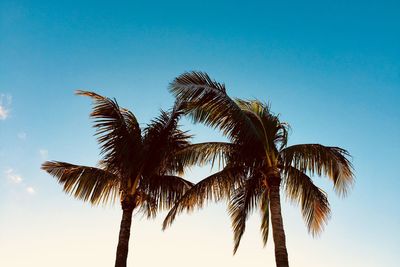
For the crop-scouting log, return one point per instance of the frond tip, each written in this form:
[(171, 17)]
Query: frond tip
[(313, 201)]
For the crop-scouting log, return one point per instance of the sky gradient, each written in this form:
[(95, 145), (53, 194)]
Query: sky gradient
[(330, 69)]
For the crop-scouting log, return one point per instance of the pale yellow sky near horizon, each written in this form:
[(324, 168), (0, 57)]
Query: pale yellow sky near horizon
[(202, 239), (77, 234)]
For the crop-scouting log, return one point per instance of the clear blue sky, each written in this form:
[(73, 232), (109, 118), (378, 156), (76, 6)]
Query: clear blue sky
[(330, 68)]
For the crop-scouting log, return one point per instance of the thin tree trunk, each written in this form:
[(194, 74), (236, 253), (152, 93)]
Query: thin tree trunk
[(124, 233), (281, 255)]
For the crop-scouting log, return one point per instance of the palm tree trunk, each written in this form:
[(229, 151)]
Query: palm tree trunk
[(281, 255), (124, 233)]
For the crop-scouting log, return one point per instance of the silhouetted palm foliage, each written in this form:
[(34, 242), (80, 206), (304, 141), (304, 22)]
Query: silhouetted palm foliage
[(138, 168), (257, 162)]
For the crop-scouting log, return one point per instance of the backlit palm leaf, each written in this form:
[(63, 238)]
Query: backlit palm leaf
[(148, 204), (264, 211), (213, 188), (204, 153), (86, 183), (207, 102), (166, 189), (242, 202), (322, 160), (313, 201)]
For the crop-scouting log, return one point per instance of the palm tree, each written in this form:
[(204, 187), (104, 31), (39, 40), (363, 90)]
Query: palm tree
[(257, 163), (136, 168)]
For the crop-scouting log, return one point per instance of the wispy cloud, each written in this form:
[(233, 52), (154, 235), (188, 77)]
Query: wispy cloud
[(17, 180), (30, 190), (13, 177), (44, 153), (5, 102), (3, 113), (22, 135)]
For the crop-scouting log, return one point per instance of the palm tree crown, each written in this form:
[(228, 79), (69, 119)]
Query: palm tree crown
[(257, 161), (137, 167)]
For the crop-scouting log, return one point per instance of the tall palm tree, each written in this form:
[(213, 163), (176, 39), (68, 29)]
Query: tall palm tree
[(138, 168), (257, 163)]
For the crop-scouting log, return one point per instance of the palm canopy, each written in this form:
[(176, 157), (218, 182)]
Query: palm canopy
[(138, 167), (256, 159)]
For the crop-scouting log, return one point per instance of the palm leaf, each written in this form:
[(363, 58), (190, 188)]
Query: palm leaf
[(165, 189), (206, 101), (242, 202), (274, 133), (118, 132), (322, 160), (314, 202), (264, 208), (213, 188), (86, 183), (162, 138), (147, 203), (204, 153), (166, 121)]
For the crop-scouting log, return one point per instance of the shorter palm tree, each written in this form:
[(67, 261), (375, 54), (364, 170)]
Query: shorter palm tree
[(258, 163), (137, 168)]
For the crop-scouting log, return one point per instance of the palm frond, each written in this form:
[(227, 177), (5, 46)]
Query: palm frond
[(166, 190), (86, 183), (313, 201), (207, 101), (166, 121), (242, 202), (264, 208), (117, 129), (147, 203), (204, 153), (162, 139), (274, 132), (322, 160), (213, 188)]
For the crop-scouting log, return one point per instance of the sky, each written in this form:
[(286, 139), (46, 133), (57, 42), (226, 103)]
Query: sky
[(329, 68)]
